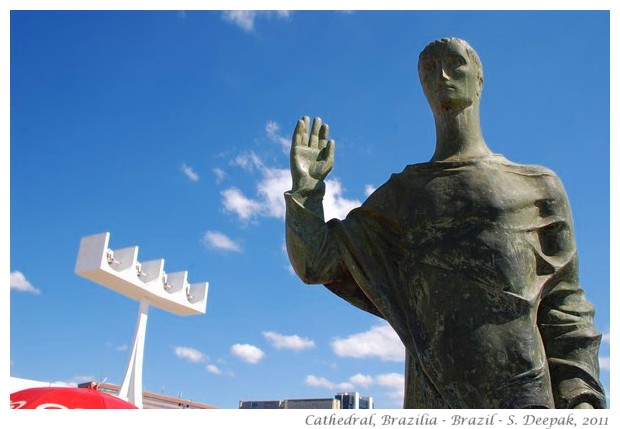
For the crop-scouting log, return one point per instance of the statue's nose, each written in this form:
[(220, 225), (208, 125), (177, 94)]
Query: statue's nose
[(444, 73)]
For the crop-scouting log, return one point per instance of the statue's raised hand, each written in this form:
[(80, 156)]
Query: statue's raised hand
[(312, 154)]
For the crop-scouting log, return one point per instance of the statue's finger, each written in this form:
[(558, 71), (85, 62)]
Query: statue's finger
[(323, 135), (330, 149), (298, 134), (314, 134), (306, 121)]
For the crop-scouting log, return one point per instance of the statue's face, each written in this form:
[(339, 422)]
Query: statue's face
[(449, 77)]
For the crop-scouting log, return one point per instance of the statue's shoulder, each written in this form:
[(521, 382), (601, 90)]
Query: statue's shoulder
[(540, 176), (529, 169), (541, 172)]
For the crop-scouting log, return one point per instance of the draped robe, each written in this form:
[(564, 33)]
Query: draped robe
[(474, 265)]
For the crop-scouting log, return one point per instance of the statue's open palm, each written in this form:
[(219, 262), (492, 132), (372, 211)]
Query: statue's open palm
[(312, 154)]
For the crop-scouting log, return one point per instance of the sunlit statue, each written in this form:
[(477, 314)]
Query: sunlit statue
[(470, 257)]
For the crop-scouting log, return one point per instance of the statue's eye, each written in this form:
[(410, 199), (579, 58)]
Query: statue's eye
[(454, 61)]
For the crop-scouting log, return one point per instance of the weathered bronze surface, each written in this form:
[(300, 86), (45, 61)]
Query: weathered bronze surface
[(470, 257)]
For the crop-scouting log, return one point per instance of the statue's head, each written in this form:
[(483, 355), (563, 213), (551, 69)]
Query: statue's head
[(451, 74)]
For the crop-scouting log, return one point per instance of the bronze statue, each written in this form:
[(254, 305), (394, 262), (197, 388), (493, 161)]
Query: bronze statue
[(470, 257)]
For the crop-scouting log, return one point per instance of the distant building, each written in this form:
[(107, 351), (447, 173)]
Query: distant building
[(346, 400), (261, 405), (312, 404), (366, 403), (353, 401)]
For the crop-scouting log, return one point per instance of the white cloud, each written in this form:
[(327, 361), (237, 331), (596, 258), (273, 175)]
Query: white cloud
[(220, 241), (395, 384), (361, 380), (379, 342), (235, 202), (118, 348), (605, 338), (314, 381), (272, 129), (213, 369), (290, 342), (190, 173), (20, 284), (369, 189), (79, 379), (392, 380), (271, 190), (219, 175), (242, 18), (248, 161), (247, 353), (73, 382), (245, 19), (65, 383), (604, 363), (189, 354), (334, 204)]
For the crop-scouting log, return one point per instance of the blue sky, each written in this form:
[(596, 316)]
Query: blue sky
[(170, 130)]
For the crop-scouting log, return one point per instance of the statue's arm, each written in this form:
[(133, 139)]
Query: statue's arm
[(310, 246), (565, 316)]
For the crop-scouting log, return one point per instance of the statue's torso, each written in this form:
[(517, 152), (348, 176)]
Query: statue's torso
[(470, 268)]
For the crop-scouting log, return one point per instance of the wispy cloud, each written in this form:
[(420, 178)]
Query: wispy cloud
[(369, 189), (335, 205), (269, 201), (220, 241), (362, 380), (213, 369), (217, 370), (219, 175), (289, 342), (19, 283), (119, 348), (605, 338), (190, 173), (604, 362), (379, 342), (395, 385), (272, 129), (245, 19), (236, 202), (74, 381), (314, 381), (392, 382), (247, 353), (78, 379), (249, 161), (189, 354)]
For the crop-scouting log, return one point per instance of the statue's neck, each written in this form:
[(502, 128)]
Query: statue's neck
[(459, 135)]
